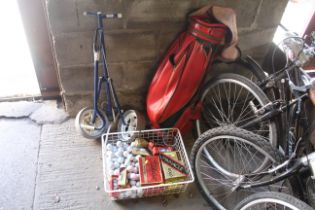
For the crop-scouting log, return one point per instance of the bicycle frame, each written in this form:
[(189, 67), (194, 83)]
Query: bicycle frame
[(274, 109), (307, 161), (291, 165), (273, 112)]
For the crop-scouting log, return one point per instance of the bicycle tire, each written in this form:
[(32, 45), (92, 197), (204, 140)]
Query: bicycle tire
[(254, 72), (259, 97), (225, 181), (245, 66), (249, 63), (287, 201)]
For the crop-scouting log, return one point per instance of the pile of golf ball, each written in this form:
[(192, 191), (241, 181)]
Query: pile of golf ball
[(119, 156)]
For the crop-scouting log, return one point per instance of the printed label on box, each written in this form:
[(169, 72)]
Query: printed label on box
[(172, 166), (150, 170)]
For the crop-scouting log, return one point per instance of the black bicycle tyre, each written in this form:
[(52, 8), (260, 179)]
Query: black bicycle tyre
[(272, 196), (250, 64), (260, 95), (231, 131), (245, 66)]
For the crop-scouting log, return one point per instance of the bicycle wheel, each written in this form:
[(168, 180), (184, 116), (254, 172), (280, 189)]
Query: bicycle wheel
[(231, 99), (85, 126), (245, 66), (272, 200), (258, 74), (222, 155)]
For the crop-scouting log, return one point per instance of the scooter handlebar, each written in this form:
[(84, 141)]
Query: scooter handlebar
[(103, 15)]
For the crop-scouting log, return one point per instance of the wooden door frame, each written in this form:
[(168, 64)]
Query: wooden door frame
[(34, 19)]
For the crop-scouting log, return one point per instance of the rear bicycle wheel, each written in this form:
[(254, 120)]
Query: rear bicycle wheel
[(231, 99), (272, 200), (221, 156)]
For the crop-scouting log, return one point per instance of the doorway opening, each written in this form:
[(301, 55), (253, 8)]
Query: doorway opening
[(17, 72), (296, 18)]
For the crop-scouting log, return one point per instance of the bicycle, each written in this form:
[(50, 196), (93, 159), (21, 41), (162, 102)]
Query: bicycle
[(92, 122), (237, 162)]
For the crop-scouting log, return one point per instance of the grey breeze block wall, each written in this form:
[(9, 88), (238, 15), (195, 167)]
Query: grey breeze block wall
[(136, 42)]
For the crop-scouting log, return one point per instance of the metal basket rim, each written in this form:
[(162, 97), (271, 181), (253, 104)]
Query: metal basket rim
[(181, 142), (140, 131)]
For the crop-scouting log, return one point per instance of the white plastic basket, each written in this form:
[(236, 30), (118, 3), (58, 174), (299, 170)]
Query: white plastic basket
[(167, 137)]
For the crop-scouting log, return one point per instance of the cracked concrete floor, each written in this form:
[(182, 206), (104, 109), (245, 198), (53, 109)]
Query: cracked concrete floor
[(45, 164)]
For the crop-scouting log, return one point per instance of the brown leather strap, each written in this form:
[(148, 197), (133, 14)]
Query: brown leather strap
[(226, 16), (312, 95)]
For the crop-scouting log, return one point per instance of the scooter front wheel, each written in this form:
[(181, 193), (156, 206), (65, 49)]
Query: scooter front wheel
[(85, 126)]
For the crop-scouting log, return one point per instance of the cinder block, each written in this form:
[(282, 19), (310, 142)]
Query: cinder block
[(151, 12), (76, 79), (258, 53), (165, 39), (134, 101), (73, 49), (62, 16), (221, 68), (137, 77), (256, 38), (79, 79), (105, 6), (246, 10), (67, 16), (270, 13), (74, 103), (131, 46)]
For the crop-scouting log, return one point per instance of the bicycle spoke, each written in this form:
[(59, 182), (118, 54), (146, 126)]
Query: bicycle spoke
[(230, 158), (229, 101)]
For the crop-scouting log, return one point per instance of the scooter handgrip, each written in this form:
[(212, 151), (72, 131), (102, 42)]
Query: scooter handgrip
[(86, 13), (112, 16), (119, 15)]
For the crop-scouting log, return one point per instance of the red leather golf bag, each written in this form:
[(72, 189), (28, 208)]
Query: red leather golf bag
[(170, 99)]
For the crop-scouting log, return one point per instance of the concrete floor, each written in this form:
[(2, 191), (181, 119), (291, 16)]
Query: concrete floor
[(45, 164)]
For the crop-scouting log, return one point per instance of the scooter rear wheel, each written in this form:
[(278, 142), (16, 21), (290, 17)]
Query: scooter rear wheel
[(85, 126), (134, 121)]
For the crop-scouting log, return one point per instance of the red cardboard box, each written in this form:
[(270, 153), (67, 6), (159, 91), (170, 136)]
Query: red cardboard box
[(150, 170)]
